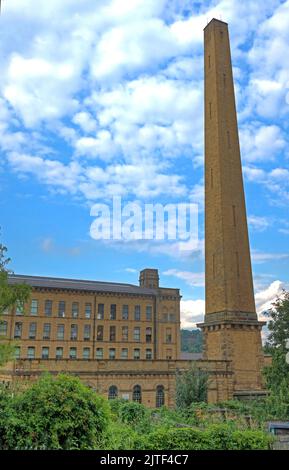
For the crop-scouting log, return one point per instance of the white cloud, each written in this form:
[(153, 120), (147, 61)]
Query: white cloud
[(192, 279), (261, 143), (266, 297), (39, 89), (192, 312), (260, 224), (85, 121), (260, 257)]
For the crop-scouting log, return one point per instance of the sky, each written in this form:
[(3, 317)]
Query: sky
[(104, 98)]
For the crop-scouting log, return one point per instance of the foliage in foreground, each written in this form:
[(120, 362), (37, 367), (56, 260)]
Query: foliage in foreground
[(214, 437), (54, 413), (62, 413)]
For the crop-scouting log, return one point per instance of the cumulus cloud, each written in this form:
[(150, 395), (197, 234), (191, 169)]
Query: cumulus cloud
[(192, 312), (122, 85), (267, 296)]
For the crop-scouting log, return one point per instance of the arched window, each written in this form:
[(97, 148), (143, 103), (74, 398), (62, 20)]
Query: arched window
[(136, 393), (112, 392), (160, 396)]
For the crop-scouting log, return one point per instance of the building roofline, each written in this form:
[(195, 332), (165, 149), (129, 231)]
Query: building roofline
[(86, 285)]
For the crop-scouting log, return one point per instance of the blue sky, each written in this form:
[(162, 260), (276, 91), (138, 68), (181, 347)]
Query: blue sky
[(103, 98)]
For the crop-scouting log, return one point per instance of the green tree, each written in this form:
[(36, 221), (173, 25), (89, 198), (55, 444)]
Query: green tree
[(191, 386), (55, 413), (10, 295), (277, 374)]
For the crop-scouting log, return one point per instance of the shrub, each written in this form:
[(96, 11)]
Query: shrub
[(214, 437), (56, 413), (132, 413)]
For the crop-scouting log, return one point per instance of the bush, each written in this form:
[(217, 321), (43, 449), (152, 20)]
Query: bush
[(214, 437), (132, 413), (55, 413)]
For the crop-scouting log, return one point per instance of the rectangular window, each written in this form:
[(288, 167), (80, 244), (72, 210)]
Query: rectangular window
[(112, 333), (165, 317), (73, 332), (125, 333), (136, 334), (86, 332), (136, 354), (169, 354), (148, 335), (45, 352), (75, 309), (149, 354), (61, 309), (72, 353), (3, 328), (124, 353), (46, 330), (100, 312), (168, 335), (17, 352), (48, 308), (19, 309), (87, 312), (99, 353), (31, 352), (18, 330), (172, 317), (111, 353), (137, 312), (99, 333), (149, 313), (60, 332), (125, 312), (86, 353), (32, 330), (34, 307), (59, 353), (112, 312)]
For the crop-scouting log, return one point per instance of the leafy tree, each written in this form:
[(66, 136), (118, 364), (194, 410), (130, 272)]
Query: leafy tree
[(10, 295), (276, 343), (55, 413), (191, 386), (277, 374)]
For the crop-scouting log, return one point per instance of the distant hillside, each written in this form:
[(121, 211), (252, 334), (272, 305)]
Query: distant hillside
[(191, 341)]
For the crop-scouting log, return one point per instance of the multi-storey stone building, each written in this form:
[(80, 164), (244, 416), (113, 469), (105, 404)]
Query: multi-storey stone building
[(73, 319), (121, 339)]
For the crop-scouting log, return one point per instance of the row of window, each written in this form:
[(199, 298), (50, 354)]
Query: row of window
[(62, 310), (137, 394), (74, 336), (86, 353)]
